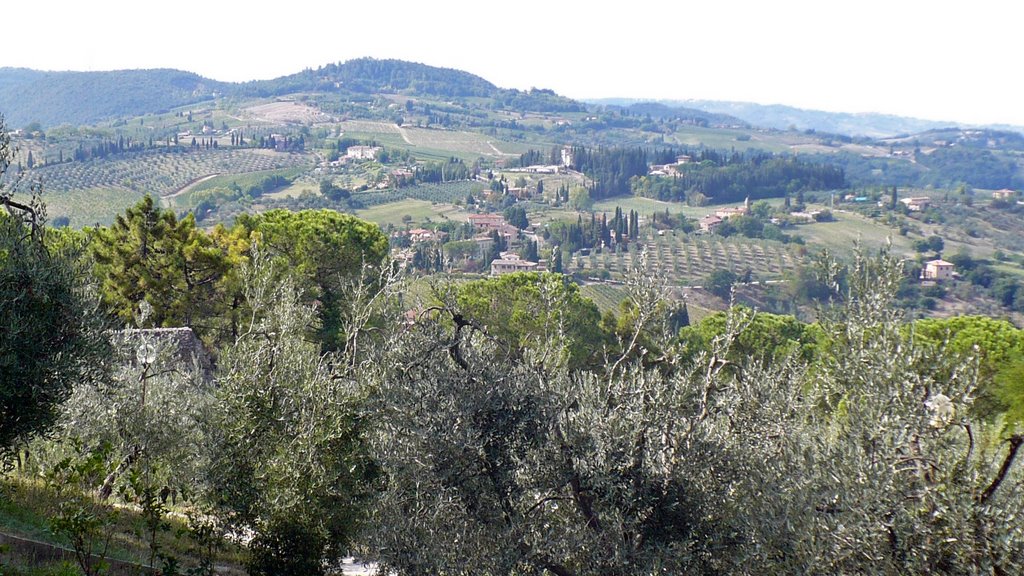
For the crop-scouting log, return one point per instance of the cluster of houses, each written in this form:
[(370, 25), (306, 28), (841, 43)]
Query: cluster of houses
[(484, 226)]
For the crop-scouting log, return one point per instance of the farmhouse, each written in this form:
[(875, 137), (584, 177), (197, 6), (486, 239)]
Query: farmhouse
[(710, 222), (726, 213), (509, 263), (729, 212), (537, 169), (916, 203), (417, 235), (363, 152), (486, 221), (1004, 194), (937, 270), (567, 157), (508, 232), (520, 193), (804, 217)]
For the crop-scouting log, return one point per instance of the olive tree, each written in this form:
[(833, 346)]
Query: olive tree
[(287, 461), (864, 459), (51, 336)]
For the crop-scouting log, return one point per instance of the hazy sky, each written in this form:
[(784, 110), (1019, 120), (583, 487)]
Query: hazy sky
[(940, 60)]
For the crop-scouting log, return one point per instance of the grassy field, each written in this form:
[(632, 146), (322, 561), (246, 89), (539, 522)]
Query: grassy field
[(27, 504), (466, 142), (300, 187), (88, 207), (433, 144), (647, 206), (420, 211), (724, 138), (607, 297), (849, 228)]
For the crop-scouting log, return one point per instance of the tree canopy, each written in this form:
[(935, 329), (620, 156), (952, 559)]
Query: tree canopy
[(51, 336), (327, 250)]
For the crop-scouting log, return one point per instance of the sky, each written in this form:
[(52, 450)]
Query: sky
[(938, 60)]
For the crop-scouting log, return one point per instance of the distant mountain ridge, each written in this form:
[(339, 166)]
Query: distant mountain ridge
[(660, 110), (82, 98), (77, 98), (781, 117)]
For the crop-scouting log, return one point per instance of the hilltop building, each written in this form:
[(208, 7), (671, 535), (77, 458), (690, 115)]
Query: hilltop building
[(180, 348)]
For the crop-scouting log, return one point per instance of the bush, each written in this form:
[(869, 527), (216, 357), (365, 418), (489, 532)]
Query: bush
[(287, 547)]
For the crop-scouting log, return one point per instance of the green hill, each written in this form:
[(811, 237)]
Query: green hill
[(77, 98)]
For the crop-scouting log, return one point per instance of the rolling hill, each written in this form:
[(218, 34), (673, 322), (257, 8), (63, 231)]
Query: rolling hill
[(53, 98), (77, 98)]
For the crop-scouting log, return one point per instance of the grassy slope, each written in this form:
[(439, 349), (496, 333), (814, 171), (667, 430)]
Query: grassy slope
[(421, 211), (26, 505)]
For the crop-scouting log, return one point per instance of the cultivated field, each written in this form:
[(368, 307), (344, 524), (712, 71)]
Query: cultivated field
[(689, 259), (160, 172), (418, 211), (288, 111), (446, 192), (96, 190)]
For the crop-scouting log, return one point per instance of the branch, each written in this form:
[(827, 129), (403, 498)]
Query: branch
[(1015, 442), (6, 201)]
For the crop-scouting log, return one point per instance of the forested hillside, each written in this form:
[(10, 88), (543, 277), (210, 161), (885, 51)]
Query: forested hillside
[(52, 98)]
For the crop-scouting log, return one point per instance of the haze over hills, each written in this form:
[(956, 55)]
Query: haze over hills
[(781, 117), (53, 98), (76, 98)]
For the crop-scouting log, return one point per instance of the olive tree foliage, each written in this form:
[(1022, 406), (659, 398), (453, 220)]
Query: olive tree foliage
[(51, 335), (287, 459), (893, 475), (149, 412), (863, 460)]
